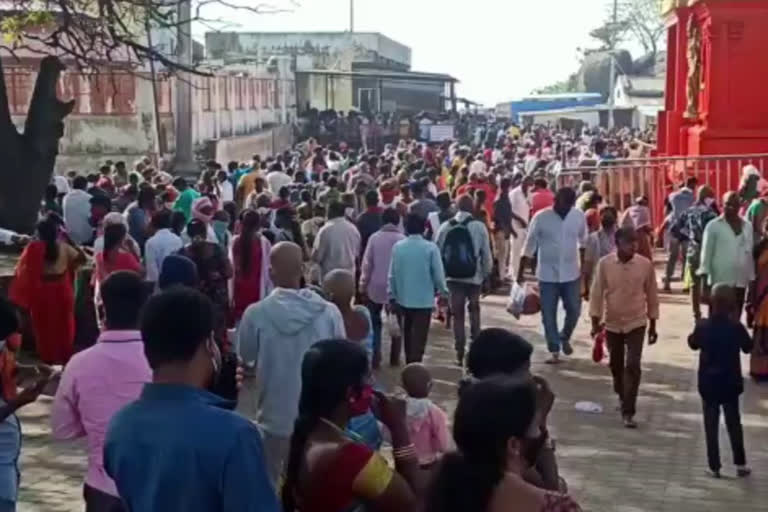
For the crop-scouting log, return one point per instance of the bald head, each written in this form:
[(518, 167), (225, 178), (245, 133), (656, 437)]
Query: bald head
[(339, 286), (285, 261)]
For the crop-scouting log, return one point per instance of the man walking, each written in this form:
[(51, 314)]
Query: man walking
[(100, 380), (179, 447), (502, 226), (521, 211), (466, 250), (273, 336), (415, 275), (558, 235), (679, 202), (337, 244), (690, 227), (726, 251), (624, 300)]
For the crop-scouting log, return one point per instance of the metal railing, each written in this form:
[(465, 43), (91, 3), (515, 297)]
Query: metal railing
[(621, 181)]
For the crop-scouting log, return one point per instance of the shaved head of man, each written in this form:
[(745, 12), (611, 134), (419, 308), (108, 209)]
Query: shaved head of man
[(339, 286), (285, 262)]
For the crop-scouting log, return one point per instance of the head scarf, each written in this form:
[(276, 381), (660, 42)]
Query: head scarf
[(177, 270), (197, 207)]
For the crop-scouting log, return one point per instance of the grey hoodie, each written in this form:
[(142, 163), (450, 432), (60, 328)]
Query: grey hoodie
[(275, 333)]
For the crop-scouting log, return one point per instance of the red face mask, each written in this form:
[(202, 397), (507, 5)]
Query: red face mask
[(362, 403)]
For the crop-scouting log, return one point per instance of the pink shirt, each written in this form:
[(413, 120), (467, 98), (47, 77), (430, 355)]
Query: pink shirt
[(428, 428), (97, 383)]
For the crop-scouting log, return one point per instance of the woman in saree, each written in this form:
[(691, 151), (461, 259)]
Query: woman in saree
[(757, 310), (42, 285), (328, 470), (250, 258)]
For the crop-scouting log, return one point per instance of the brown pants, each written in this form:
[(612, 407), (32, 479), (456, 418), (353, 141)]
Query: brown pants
[(415, 330), (626, 350)]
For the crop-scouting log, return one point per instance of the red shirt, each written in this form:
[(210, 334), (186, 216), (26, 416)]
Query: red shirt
[(106, 183), (121, 260), (540, 199)]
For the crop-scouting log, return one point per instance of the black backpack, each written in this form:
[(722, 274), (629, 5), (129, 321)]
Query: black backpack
[(458, 252)]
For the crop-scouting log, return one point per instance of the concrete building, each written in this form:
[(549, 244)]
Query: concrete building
[(341, 70), (114, 115), (643, 94)]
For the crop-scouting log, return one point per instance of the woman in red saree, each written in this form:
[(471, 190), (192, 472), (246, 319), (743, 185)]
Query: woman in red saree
[(250, 258), (42, 285), (328, 468)]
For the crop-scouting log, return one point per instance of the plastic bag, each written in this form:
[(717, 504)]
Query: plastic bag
[(523, 300), (598, 349), (393, 326), (516, 300)]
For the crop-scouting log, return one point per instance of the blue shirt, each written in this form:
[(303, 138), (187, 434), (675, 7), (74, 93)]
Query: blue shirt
[(416, 273), (179, 448)]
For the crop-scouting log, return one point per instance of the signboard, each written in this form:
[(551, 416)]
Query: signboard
[(440, 132)]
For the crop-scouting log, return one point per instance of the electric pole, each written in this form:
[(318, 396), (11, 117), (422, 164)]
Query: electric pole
[(184, 163), (351, 16), (612, 60)]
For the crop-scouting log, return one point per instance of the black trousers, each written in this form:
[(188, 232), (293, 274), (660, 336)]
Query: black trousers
[(99, 501), (415, 330), (732, 424)]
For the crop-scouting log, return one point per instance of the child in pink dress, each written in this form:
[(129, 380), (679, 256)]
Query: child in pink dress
[(427, 423)]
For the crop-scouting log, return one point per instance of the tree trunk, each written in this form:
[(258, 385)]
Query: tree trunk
[(27, 160)]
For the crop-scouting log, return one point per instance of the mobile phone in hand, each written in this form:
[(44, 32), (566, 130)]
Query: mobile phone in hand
[(226, 383)]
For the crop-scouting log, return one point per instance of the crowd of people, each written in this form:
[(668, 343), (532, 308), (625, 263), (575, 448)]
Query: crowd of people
[(250, 307)]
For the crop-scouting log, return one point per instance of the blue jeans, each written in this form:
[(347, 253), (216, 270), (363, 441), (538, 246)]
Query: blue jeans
[(570, 293), (375, 310)]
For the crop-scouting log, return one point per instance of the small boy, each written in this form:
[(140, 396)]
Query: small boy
[(427, 423), (719, 338)]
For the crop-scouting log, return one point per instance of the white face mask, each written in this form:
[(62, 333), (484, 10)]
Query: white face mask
[(709, 201)]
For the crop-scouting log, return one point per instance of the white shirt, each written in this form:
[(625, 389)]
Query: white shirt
[(6, 236), (277, 180), (163, 243), (62, 185), (227, 191), (521, 205), (557, 241), (77, 212)]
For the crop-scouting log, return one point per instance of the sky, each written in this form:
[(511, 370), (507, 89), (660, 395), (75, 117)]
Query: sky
[(498, 49)]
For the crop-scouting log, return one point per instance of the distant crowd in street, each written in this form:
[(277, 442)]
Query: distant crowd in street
[(241, 319)]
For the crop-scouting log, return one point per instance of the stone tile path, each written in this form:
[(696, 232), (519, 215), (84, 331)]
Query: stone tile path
[(658, 468)]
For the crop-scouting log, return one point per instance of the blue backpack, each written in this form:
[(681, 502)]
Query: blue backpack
[(459, 258)]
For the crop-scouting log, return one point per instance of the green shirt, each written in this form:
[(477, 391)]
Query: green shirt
[(725, 256), (184, 202)]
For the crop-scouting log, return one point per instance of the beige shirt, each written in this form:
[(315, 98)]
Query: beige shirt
[(625, 294)]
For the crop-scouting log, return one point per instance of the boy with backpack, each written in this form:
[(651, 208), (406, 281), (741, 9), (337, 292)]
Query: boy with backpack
[(466, 254)]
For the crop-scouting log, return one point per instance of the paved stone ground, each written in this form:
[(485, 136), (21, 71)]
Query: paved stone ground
[(659, 467)]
